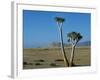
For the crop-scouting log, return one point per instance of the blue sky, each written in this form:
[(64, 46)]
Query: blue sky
[(40, 28)]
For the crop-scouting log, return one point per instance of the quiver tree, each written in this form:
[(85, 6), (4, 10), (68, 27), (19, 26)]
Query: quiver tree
[(73, 38), (60, 21)]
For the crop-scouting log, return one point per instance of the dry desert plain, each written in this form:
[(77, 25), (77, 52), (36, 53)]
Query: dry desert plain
[(35, 58)]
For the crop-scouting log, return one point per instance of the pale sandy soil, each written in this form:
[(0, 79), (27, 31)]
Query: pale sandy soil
[(52, 57)]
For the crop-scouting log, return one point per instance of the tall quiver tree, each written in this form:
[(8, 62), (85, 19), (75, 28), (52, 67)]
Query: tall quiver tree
[(73, 38), (60, 21)]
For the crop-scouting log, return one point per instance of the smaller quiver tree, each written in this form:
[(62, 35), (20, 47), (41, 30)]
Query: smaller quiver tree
[(73, 38)]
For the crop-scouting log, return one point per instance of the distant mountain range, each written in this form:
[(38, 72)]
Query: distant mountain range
[(86, 43), (57, 44)]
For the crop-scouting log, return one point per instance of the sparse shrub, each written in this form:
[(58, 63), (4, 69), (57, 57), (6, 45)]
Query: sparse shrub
[(37, 64), (59, 60), (25, 63), (40, 60), (46, 49), (53, 64), (30, 64)]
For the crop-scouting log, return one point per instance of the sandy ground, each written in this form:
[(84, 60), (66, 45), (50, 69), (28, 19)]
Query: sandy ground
[(52, 57)]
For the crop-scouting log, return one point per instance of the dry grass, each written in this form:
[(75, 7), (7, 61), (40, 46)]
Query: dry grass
[(52, 57)]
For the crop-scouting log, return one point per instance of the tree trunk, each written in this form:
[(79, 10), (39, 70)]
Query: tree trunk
[(72, 56), (62, 48)]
